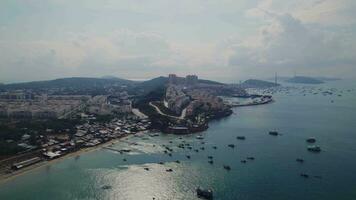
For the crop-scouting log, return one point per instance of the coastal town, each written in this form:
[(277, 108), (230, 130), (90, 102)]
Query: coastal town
[(75, 121)]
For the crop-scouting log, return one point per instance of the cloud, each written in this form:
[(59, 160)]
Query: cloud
[(122, 52), (287, 42), (50, 39)]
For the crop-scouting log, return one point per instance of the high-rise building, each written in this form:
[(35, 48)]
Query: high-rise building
[(191, 79), (172, 78)]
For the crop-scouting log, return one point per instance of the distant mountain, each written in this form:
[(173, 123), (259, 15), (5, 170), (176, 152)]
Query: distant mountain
[(304, 80), (321, 78), (150, 85), (210, 82), (162, 81), (254, 83), (74, 82)]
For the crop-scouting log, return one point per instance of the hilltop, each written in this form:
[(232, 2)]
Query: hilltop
[(161, 82), (304, 80), (254, 83), (73, 82)]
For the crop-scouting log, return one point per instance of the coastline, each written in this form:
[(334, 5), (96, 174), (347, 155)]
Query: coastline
[(7, 177)]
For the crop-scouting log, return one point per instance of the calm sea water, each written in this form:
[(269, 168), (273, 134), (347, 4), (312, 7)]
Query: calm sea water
[(274, 174)]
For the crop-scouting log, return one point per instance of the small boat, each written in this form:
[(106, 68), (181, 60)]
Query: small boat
[(227, 167), (170, 154), (169, 170), (215, 147), (188, 156), (210, 157), (274, 133), (210, 161), (304, 175), (311, 140), (106, 187), (199, 137), (177, 161), (314, 148), (202, 148), (300, 160), (241, 137), (196, 150), (250, 158), (206, 194), (161, 163), (124, 159), (243, 161), (231, 145), (147, 169)]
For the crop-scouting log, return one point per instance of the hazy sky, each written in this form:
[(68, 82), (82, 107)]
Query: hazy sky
[(219, 39)]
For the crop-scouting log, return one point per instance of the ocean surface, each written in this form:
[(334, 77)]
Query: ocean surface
[(297, 113)]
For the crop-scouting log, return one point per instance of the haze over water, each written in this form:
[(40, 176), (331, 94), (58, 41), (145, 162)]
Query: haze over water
[(274, 174)]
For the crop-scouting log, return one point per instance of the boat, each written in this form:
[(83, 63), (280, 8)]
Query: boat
[(210, 161), (311, 140), (300, 160), (215, 147), (243, 161), (188, 156), (177, 161), (147, 169), (106, 187), (169, 170), (241, 137), (227, 167), (314, 148), (205, 194), (250, 158), (231, 145), (210, 157), (199, 137), (304, 175), (274, 133)]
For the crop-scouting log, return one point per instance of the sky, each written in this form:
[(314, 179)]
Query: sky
[(141, 39)]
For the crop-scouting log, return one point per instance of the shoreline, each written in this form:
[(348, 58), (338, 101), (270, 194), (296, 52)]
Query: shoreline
[(4, 178), (8, 177)]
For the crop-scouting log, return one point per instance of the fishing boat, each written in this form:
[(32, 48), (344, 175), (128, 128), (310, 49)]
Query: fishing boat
[(205, 194), (314, 148)]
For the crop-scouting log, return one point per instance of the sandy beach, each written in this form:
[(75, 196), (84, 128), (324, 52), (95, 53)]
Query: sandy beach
[(6, 177)]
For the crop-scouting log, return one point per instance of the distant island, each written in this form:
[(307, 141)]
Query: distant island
[(304, 80), (254, 83), (318, 78)]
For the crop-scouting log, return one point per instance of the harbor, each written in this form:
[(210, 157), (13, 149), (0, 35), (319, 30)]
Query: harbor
[(207, 160)]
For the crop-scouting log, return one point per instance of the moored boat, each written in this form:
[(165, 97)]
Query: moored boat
[(206, 194)]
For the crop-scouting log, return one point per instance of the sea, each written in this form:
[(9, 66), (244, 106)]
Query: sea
[(298, 112)]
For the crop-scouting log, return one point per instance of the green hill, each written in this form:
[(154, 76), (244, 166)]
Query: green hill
[(254, 83), (73, 83), (304, 80)]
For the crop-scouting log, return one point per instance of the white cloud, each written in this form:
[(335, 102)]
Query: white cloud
[(287, 42)]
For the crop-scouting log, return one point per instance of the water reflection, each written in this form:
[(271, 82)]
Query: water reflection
[(137, 183)]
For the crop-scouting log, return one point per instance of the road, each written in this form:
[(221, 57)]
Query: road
[(182, 116)]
